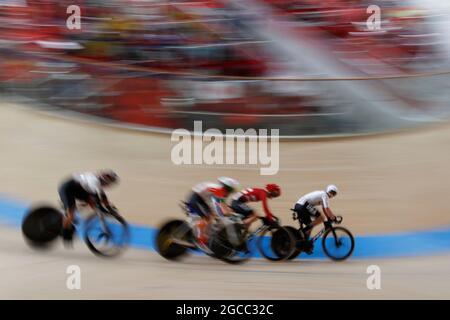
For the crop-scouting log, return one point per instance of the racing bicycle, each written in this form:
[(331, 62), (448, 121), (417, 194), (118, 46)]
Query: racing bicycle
[(338, 242), (228, 241), (105, 231)]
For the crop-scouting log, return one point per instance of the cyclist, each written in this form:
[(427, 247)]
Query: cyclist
[(207, 200), (308, 213), (87, 187), (240, 200)]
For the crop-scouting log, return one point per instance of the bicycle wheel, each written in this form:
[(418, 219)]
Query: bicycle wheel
[(41, 226), (237, 257), (224, 250), (108, 242), (297, 237), (174, 229), (276, 244), (338, 243)]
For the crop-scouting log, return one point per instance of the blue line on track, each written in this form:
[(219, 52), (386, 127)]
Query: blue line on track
[(404, 244)]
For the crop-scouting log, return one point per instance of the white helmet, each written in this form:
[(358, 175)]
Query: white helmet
[(229, 183), (332, 188)]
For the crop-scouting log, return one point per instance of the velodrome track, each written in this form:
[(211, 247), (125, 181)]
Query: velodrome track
[(389, 183), (140, 274)]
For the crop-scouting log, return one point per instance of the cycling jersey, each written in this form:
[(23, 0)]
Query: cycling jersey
[(89, 182), (254, 195), (315, 198), (81, 186), (212, 194), (210, 189)]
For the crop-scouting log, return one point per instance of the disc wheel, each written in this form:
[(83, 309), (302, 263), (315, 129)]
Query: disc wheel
[(41, 226), (224, 250), (174, 229), (297, 237), (276, 244)]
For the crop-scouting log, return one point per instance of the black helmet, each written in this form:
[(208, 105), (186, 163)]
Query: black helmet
[(108, 177)]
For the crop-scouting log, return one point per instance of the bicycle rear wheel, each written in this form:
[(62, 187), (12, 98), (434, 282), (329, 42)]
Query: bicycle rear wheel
[(174, 229), (338, 243), (108, 242), (224, 250), (297, 237), (41, 226), (276, 244)]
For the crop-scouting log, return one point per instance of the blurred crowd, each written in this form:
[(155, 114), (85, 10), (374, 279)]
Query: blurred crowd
[(408, 36), (163, 63)]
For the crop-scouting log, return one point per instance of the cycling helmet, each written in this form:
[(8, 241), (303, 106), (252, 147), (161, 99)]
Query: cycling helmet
[(332, 189), (230, 184), (273, 189), (108, 177)]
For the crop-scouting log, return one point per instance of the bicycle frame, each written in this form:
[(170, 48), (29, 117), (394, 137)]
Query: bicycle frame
[(192, 217), (319, 234), (322, 231), (258, 231), (101, 215)]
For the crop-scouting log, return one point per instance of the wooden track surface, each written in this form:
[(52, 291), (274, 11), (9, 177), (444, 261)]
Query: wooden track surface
[(388, 183), (27, 274)]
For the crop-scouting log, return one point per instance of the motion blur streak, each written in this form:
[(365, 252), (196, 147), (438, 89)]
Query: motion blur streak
[(151, 66), (255, 39)]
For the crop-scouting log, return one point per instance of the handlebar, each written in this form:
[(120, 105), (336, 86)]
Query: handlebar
[(101, 208), (338, 220), (274, 223), (111, 210)]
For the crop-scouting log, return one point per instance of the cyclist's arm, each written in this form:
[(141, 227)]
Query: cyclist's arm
[(328, 213), (269, 214), (327, 210), (92, 202), (99, 198), (92, 187), (218, 206), (103, 199), (226, 210)]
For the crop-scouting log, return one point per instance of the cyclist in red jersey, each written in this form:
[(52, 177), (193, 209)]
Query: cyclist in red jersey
[(240, 200)]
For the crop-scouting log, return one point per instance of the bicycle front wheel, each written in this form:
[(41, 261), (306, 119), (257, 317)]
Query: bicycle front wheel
[(338, 243), (108, 240)]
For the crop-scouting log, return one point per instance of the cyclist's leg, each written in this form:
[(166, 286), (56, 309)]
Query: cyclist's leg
[(244, 210), (306, 213), (304, 216), (67, 193), (201, 209), (316, 216), (68, 200)]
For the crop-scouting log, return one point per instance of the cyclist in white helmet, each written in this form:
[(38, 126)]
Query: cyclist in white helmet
[(306, 208), (207, 200), (87, 187)]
